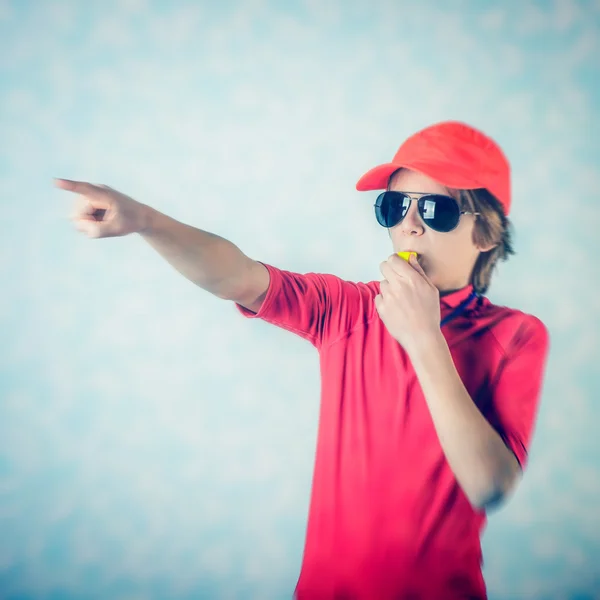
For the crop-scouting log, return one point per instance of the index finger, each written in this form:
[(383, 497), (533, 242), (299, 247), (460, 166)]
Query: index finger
[(79, 187), (400, 266)]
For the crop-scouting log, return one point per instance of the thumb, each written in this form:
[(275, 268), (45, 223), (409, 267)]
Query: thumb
[(414, 263), (90, 228)]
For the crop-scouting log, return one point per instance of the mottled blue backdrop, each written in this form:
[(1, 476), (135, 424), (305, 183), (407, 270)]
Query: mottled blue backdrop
[(154, 444)]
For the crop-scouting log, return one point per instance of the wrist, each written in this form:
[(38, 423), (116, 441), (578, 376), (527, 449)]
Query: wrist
[(426, 346), (148, 218)]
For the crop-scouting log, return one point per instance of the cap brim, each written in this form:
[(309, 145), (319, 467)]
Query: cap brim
[(378, 177)]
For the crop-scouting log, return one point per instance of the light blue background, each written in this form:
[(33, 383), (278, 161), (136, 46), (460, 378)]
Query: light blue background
[(153, 443)]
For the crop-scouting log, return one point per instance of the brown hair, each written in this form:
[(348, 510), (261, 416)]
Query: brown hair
[(492, 227)]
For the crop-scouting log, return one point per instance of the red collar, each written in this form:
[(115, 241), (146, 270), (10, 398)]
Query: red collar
[(453, 299)]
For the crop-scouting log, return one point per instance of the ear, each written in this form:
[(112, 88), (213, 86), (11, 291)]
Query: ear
[(487, 248)]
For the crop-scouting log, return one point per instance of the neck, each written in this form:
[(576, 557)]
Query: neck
[(447, 292)]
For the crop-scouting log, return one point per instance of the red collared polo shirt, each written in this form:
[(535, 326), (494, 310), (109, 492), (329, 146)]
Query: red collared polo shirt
[(387, 518)]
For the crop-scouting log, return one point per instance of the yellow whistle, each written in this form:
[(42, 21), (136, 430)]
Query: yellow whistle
[(407, 255)]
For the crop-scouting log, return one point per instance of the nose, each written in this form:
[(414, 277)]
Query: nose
[(412, 223)]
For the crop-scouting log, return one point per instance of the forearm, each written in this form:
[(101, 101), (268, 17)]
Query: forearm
[(482, 464), (208, 260)]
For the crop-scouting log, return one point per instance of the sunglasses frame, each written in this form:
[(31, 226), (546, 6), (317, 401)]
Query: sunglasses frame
[(422, 196)]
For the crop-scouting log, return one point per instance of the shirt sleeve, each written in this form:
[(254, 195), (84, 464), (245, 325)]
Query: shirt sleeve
[(320, 308), (518, 386)]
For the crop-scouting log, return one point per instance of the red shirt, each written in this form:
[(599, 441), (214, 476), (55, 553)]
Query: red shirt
[(387, 518)]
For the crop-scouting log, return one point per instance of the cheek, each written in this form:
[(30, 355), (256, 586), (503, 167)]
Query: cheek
[(461, 239), (453, 249), (445, 245)]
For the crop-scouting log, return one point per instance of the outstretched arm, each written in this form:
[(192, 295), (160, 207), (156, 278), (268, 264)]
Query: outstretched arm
[(206, 259)]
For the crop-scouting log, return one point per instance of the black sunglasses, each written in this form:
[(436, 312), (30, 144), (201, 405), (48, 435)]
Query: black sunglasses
[(439, 212)]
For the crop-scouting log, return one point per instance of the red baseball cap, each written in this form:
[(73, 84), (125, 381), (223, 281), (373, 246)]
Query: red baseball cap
[(453, 153)]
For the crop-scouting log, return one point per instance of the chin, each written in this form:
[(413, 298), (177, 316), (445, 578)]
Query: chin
[(434, 277), (426, 267)]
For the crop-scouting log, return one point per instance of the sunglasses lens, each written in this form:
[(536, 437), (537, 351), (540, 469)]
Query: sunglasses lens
[(441, 213), (391, 208)]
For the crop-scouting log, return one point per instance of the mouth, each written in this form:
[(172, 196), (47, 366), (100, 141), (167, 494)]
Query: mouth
[(421, 259), (419, 255)]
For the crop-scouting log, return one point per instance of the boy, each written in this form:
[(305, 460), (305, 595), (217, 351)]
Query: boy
[(429, 391)]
